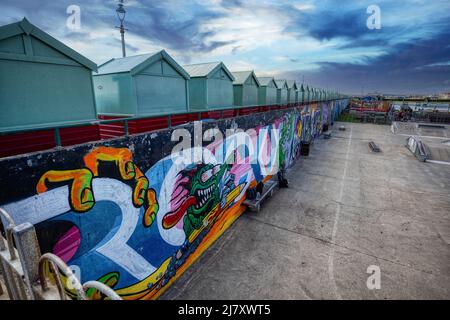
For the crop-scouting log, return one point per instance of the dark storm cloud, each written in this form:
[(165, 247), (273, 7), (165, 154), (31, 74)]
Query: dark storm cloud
[(156, 22), (412, 48), (422, 66)]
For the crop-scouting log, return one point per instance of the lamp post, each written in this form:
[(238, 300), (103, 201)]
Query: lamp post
[(121, 15)]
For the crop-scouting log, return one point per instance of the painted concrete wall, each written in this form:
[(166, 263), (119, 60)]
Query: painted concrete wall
[(131, 215)]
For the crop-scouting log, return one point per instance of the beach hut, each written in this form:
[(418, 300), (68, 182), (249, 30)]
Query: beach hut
[(245, 87), (42, 81), (301, 94), (314, 94), (267, 92), (147, 84), (282, 92), (292, 91), (309, 93), (210, 87)]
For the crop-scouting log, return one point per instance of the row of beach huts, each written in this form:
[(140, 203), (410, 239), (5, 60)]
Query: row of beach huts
[(45, 84)]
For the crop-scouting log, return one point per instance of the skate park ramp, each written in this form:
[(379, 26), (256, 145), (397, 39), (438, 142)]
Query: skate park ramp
[(434, 137), (438, 150), (421, 129)]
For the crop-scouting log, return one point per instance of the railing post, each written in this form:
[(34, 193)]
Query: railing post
[(29, 253), (125, 126), (8, 276), (57, 137)]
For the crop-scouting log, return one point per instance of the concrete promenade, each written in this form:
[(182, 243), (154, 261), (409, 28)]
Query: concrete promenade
[(346, 209)]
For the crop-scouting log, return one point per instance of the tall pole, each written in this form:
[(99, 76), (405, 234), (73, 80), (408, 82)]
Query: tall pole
[(122, 34), (121, 15)]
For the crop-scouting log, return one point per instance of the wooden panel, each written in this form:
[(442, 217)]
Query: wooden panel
[(20, 143), (183, 118), (111, 130), (145, 125), (78, 135)]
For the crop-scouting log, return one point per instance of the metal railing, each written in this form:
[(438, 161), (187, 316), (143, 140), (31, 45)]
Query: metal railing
[(127, 119), (23, 268)]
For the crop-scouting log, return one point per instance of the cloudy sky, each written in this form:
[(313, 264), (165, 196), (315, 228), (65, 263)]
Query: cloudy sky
[(326, 43)]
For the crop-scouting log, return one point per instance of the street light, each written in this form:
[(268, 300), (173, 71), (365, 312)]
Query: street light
[(121, 15)]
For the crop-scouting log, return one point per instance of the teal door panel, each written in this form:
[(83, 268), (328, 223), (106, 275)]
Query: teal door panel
[(160, 95), (114, 94), (37, 94)]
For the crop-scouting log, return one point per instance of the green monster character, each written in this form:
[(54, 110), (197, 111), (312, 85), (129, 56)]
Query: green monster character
[(286, 133), (205, 192)]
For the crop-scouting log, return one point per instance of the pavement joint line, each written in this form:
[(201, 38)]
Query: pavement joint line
[(340, 246), (336, 219)]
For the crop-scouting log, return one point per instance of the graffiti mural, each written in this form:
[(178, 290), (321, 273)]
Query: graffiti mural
[(129, 214)]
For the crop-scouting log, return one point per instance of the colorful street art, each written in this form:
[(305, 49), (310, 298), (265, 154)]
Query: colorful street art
[(129, 214)]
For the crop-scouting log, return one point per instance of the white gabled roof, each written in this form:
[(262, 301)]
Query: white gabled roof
[(134, 64), (26, 27), (240, 77), (201, 70), (281, 83), (264, 81)]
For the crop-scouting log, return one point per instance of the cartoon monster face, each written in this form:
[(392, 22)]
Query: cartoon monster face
[(195, 195), (204, 188)]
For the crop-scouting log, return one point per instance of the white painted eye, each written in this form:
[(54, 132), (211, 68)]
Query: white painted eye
[(206, 175), (216, 169)]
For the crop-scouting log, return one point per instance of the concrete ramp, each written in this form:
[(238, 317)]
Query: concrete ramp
[(432, 130), (438, 152), (427, 141), (421, 129)]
